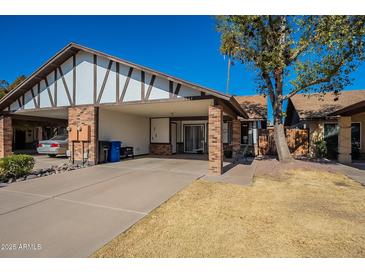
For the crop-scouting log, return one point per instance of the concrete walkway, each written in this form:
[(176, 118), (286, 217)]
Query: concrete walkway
[(239, 174), (75, 213)]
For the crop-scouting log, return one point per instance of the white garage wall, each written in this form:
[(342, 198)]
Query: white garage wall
[(130, 129), (160, 130)]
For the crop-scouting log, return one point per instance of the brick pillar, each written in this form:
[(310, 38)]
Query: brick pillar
[(39, 134), (236, 136), (6, 136), (344, 140), (78, 116), (215, 142)]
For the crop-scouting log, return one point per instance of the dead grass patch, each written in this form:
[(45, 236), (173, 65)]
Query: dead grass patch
[(299, 214)]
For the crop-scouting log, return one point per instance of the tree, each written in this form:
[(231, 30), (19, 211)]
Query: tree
[(294, 54), (5, 87)]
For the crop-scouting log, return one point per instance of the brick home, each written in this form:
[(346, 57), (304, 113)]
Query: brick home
[(338, 120), (101, 97), (256, 108)]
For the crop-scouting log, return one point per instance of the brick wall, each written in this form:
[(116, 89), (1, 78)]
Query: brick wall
[(78, 116), (6, 136), (215, 145), (161, 149)]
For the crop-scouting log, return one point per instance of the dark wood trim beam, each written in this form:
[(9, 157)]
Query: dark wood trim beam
[(226, 109), (65, 85), (117, 79), (126, 84), (49, 92), (143, 80), (104, 82), (150, 86), (19, 103), (189, 118), (171, 89), (177, 90), (34, 98), (55, 87), (39, 94)]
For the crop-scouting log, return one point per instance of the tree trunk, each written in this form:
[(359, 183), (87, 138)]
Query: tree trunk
[(279, 134), (281, 143)]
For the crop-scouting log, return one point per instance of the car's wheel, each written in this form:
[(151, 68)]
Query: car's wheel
[(52, 155)]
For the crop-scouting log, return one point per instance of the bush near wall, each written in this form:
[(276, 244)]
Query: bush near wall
[(16, 165)]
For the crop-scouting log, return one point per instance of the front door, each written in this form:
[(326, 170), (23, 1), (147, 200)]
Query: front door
[(194, 138), (331, 137)]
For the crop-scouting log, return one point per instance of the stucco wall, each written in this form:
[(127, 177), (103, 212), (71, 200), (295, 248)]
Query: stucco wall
[(79, 78), (160, 130), (132, 130)]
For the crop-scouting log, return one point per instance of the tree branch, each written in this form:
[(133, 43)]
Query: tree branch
[(303, 48), (312, 83), (336, 69)]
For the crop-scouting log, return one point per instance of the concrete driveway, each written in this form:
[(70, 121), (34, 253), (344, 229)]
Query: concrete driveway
[(75, 213), (44, 161)]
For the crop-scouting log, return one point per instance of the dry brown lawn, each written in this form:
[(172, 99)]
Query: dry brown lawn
[(299, 214)]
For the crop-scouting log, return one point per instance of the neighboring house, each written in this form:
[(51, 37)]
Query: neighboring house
[(101, 97), (319, 113), (256, 108)]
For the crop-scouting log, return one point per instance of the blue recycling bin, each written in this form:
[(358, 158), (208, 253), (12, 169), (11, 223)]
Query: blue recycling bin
[(114, 151)]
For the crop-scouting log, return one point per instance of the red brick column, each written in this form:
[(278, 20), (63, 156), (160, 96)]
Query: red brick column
[(39, 134), (6, 136), (215, 142), (236, 136), (78, 116)]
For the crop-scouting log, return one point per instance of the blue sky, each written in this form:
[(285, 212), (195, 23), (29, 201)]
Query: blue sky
[(183, 46)]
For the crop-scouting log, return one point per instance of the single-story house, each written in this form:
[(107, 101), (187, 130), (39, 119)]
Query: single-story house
[(101, 97), (256, 108), (321, 114)]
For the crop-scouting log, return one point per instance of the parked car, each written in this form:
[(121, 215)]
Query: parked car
[(57, 145)]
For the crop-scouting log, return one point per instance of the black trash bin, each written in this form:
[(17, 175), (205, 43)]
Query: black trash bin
[(104, 148)]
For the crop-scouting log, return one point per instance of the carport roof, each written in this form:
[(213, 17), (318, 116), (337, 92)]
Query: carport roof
[(72, 48)]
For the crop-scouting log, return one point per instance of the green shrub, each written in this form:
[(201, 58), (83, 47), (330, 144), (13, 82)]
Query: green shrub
[(321, 149), (16, 165)]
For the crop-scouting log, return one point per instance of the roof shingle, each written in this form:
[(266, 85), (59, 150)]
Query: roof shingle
[(319, 105), (255, 106)]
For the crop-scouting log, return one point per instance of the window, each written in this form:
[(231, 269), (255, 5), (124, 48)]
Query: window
[(331, 137), (230, 129), (356, 134)]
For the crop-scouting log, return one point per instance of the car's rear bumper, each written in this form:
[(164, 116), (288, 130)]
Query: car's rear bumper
[(51, 150)]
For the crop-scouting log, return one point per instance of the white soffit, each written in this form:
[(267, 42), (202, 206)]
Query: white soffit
[(165, 109), (45, 113)]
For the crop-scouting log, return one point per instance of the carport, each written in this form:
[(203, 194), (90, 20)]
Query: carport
[(107, 98), (28, 130)]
